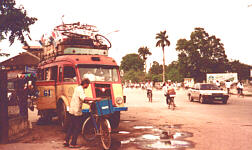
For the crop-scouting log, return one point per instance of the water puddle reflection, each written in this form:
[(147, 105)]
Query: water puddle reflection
[(149, 137), (123, 132), (170, 138), (143, 127)]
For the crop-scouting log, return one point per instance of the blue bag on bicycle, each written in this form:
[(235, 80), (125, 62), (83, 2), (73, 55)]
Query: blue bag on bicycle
[(104, 107)]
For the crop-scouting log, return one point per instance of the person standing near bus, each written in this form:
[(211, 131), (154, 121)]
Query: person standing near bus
[(75, 113)]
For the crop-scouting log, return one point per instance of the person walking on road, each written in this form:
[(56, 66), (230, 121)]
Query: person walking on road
[(149, 86), (75, 114), (240, 89)]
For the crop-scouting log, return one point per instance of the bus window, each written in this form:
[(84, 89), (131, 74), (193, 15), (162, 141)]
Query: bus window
[(40, 75), (99, 73), (54, 73), (60, 74), (69, 74), (47, 74)]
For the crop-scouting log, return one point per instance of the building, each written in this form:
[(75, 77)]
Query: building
[(25, 62)]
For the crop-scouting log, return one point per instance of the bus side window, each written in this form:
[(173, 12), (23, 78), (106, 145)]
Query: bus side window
[(54, 73), (69, 74), (60, 74), (48, 74), (41, 74)]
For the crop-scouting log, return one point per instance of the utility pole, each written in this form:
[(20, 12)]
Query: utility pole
[(4, 121)]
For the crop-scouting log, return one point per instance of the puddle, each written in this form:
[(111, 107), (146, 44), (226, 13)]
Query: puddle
[(157, 138), (143, 127), (150, 137), (171, 144), (163, 139), (123, 132), (128, 141)]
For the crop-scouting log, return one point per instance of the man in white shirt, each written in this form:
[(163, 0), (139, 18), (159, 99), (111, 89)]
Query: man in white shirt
[(228, 86), (240, 88), (75, 113)]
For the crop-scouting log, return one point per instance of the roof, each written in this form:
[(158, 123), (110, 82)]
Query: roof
[(24, 58), (83, 59)]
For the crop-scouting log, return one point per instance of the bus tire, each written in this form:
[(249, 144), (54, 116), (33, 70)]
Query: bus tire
[(62, 115), (114, 120)]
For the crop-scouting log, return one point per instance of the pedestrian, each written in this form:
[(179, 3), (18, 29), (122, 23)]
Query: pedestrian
[(149, 87), (228, 86), (240, 89), (75, 114)]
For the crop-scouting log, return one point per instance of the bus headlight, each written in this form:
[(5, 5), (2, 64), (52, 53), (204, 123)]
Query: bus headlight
[(119, 100)]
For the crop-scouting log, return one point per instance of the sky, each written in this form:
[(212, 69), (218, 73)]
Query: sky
[(138, 21)]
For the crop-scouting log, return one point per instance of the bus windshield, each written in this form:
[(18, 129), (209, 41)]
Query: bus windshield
[(99, 73)]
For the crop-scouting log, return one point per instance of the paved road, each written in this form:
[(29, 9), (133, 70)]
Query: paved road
[(214, 126), (153, 126)]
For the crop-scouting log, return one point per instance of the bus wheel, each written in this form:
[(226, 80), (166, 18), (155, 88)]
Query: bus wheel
[(114, 119), (62, 115)]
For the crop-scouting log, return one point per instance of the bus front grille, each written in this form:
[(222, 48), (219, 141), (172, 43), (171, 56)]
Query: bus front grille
[(103, 91)]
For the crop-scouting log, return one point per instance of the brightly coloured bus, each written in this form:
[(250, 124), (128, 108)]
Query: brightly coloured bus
[(61, 72)]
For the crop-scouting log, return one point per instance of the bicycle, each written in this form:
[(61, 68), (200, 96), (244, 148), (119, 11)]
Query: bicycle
[(97, 124), (149, 95), (171, 103)]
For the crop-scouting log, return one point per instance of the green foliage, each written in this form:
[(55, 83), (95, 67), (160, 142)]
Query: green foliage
[(14, 22), (132, 62), (200, 55), (157, 78), (172, 72), (156, 68), (241, 69), (143, 53), (134, 76), (162, 39)]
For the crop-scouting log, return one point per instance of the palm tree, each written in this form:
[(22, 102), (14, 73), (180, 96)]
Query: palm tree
[(143, 52), (162, 42)]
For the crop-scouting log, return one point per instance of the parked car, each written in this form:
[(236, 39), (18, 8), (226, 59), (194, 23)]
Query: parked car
[(206, 92)]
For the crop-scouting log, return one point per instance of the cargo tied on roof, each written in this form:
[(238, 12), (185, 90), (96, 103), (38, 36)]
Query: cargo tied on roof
[(74, 39)]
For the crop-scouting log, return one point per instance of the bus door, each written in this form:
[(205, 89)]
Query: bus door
[(67, 82), (46, 85)]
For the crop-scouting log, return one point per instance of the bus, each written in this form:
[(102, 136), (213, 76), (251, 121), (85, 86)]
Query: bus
[(62, 70)]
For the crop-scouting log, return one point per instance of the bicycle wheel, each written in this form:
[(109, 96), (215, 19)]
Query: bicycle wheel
[(172, 103), (105, 130), (88, 130), (151, 97)]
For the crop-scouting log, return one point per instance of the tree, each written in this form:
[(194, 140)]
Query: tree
[(200, 55), (156, 68), (172, 72), (132, 62), (14, 22), (162, 42), (241, 69), (155, 72), (134, 76), (144, 52)]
